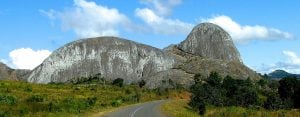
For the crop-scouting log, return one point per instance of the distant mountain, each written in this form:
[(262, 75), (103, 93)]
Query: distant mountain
[(277, 74), (7, 73)]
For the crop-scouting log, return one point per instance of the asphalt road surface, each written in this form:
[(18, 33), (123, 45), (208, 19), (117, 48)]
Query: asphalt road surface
[(149, 109)]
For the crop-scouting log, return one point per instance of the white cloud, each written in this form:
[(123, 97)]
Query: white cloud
[(245, 33), (155, 18), (291, 64), (161, 25), (26, 58), (89, 19), (162, 7), (293, 58)]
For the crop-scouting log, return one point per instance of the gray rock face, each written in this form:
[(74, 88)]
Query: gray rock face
[(7, 73), (111, 56), (4, 72), (210, 41), (207, 48)]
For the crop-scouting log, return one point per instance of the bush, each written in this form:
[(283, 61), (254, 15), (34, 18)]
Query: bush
[(77, 105), (246, 96), (28, 88), (118, 82), (142, 83), (201, 107), (36, 98), (4, 114), (116, 103), (289, 92), (91, 101), (53, 107), (214, 79), (197, 103), (209, 94), (7, 99), (273, 102)]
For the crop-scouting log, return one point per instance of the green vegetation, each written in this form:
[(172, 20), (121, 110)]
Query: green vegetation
[(87, 97), (118, 82), (254, 96), (180, 108)]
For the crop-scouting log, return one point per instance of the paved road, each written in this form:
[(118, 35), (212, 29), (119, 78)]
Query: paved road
[(149, 109)]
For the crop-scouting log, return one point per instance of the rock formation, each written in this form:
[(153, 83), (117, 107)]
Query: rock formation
[(210, 41), (207, 48), (7, 73), (111, 56)]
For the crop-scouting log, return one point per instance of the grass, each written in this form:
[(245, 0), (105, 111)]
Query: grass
[(179, 108), (26, 99)]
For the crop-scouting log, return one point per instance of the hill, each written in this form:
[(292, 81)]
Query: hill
[(207, 48), (278, 74)]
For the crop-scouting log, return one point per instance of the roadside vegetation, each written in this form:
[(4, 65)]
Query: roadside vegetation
[(84, 97), (216, 96), (180, 108)]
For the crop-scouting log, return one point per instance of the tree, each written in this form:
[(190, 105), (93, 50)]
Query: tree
[(118, 82), (229, 84), (201, 107), (273, 102), (262, 82), (287, 87), (297, 96), (245, 96), (209, 94), (214, 79), (142, 83)]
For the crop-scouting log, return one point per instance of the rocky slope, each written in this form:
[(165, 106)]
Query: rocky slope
[(7, 73), (210, 41), (207, 48), (111, 56)]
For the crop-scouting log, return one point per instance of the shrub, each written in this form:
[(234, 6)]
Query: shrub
[(201, 107), (289, 91), (116, 103), (287, 87), (72, 105), (273, 102), (214, 79), (118, 82), (36, 98), (7, 99), (51, 107), (142, 83), (90, 101), (246, 96), (22, 111), (28, 88), (75, 105), (4, 114)]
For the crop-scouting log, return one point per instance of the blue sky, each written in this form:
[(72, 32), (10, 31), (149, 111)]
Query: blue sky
[(265, 32)]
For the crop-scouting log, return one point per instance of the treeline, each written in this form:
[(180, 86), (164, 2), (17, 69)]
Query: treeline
[(265, 93)]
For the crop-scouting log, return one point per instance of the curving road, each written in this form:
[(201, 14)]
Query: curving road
[(149, 109)]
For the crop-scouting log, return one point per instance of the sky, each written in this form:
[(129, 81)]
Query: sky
[(266, 32)]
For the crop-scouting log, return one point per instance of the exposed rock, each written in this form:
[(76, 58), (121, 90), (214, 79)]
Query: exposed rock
[(210, 41), (207, 48), (195, 64), (7, 73), (170, 77), (111, 56)]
